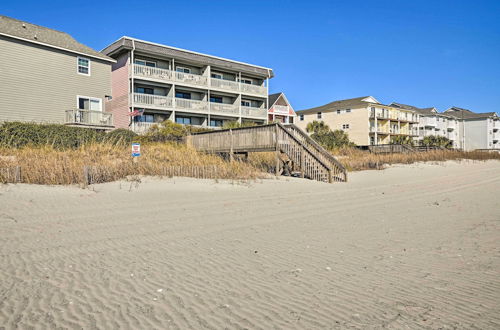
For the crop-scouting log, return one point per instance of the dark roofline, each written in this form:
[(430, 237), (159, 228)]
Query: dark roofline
[(127, 43), (99, 56)]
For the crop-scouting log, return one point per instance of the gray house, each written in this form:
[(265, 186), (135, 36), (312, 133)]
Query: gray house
[(48, 77)]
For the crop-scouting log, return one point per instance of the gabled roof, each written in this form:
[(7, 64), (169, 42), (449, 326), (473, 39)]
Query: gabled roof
[(127, 43), (272, 98), (37, 34), (422, 111), (341, 104), (468, 114)]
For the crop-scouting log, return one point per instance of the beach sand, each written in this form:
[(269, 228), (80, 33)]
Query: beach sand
[(414, 246)]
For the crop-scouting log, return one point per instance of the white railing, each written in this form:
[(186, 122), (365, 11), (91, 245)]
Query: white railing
[(253, 112), (153, 100), (191, 104), (151, 72), (254, 89), (142, 127), (281, 110), (496, 124), (189, 78), (428, 121), (224, 84), (224, 108), (89, 117)]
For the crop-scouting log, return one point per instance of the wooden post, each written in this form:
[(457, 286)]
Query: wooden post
[(230, 145), (302, 162), (330, 178), (86, 180), (277, 152), (17, 174)]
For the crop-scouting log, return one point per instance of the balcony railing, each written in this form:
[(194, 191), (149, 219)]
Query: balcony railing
[(142, 127), (151, 72), (224, 108), (193, 105), (281, 110), (253, 89), (253, 112), (89, 118), (156, 101), (225, 84), (195, 79)]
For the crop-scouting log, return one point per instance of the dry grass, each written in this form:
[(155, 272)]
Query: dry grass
[(358, 160), (46, 165)]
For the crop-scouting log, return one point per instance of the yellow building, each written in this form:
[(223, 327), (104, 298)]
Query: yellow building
[(366, 120)]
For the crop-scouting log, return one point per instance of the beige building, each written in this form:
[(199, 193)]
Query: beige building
[(433, 123), (365, 119), (154, 82), (48, 77)]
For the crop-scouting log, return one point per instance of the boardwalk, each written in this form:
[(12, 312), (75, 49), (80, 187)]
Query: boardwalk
[(305, 154)]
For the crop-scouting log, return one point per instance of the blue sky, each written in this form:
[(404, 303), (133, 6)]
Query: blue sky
[(427, 53)]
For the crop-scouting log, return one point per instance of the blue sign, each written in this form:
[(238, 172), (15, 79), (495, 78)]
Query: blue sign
[(136, 149)]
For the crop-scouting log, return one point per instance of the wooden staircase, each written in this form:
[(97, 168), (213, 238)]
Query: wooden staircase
[(302, 152)]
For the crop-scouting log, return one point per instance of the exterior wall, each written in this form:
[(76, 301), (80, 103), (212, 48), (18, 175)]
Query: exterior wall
[(357, 119), (476, 134), (38, 83), (119, 104)]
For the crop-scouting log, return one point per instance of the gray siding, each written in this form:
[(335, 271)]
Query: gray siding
[(39, 83)]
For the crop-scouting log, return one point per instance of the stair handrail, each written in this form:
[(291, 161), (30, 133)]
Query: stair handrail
[(318, 147)]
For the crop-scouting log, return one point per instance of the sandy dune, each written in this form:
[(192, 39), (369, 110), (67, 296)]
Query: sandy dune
[(409, 247)]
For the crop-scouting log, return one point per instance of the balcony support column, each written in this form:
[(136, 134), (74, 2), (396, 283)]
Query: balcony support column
[(376, 129)]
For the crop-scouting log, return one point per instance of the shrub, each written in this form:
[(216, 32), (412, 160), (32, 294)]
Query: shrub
[(120, 136), (402, 139), (17, 134), (170, 131), (329, 139), (437, 141)]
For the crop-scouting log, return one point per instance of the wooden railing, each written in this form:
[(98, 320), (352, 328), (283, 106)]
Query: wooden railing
[(89, 118), (313, 161), (152, 100), (188, 104), (224, 108), (225, 84), (253, 112)]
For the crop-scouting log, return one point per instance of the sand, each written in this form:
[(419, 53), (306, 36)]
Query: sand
[(414, 246)]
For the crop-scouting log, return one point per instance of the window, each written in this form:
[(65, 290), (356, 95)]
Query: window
[(338, 112), (146, 63), (216, 123), (246, 81), (183, 120), (345, 126), (89, 103), (216, 99), (144, 119), (318, 115), (183, 69), (182, 95), (348, 110), (301, 117), (246, 103), (144, 90), (217, 75), (83, 66)]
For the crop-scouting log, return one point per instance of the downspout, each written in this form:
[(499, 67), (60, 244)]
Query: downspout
[(132, 82)]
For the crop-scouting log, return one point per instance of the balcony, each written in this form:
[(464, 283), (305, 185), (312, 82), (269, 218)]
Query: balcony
[(228, 85), (191, 105), (379, 130), (429, 122), (224, 109), (254, 112), (281, 110), (254, 89), (496, 125), (169, 76), (153, 101), (97, 119), (142, 127)]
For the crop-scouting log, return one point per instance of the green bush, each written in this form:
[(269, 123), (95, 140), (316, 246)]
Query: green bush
[(168, 131), (120, 136), (327, 138), (437, 141), (17, 135)]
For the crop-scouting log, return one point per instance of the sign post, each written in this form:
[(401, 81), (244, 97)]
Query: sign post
[(136, 151)]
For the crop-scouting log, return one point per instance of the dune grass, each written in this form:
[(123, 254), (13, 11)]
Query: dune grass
[(357, 160), (111, 162)]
